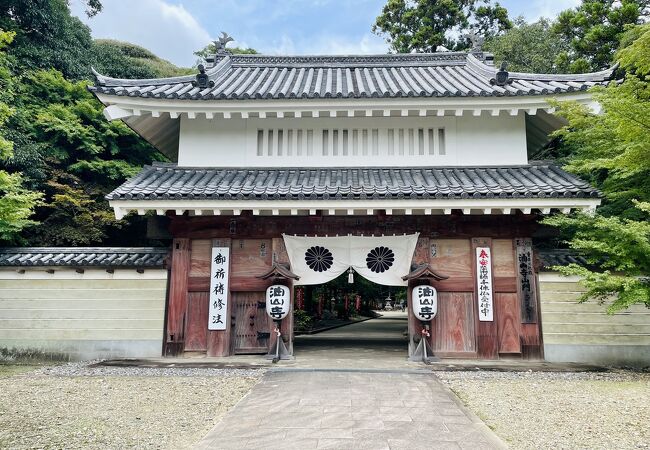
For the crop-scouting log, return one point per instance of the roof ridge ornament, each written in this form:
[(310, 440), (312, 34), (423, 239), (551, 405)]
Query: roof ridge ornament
[(502, 76), (476, 40), (220, 44), (202, 79)]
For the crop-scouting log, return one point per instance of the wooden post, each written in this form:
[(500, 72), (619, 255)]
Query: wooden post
[(177, 304), (422, 255), (280, 256)]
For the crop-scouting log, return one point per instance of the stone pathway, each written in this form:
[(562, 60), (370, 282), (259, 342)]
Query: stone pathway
[(313, 409), (374, 344)]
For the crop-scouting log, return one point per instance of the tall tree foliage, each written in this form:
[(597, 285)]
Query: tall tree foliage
[(62, 145), (125, 60), (75, 158), (47, 35), (612, 150), (423, 25), (528, 47), (594, 31), (16, 203)]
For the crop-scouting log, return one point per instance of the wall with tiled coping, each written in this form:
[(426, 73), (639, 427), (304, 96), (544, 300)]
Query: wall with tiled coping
[(583, 332), (94, 314)]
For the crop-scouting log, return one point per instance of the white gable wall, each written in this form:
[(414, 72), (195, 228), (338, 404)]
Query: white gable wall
[(353, 142)]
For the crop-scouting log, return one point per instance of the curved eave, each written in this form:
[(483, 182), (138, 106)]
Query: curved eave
[(119, 107), (481, 68), (104, 80), (354, 207)]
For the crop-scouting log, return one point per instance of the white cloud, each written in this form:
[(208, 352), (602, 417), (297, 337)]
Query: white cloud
[(169, 31)]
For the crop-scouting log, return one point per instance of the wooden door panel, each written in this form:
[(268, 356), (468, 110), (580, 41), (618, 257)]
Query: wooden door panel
[(196, 325), (508, 326), (503, 258), (200, 260), (455, 323), (250, 258), (251, 322), (453, 257)]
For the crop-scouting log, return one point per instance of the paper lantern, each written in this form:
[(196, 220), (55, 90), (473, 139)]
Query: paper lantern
[(424, 299), (278, 301)]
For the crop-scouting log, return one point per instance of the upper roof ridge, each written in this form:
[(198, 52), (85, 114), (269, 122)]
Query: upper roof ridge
[(350, 60)]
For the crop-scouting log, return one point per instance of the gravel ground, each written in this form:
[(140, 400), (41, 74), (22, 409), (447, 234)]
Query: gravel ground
[(549, 410), (76, 406)]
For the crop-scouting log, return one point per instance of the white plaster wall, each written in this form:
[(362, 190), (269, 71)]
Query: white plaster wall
[(491, 141), (469, 141), (87, 315)]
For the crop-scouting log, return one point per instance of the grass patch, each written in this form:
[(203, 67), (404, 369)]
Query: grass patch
[(13, 356)]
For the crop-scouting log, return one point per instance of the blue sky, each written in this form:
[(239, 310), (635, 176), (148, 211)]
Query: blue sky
[(173, 29)]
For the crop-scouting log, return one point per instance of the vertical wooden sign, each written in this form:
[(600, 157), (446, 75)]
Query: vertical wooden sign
[(526, 281), (219, 285), (484, 282)]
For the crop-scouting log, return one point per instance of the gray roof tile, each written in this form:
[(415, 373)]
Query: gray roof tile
[(560, 257), (83, 256), (167, 181), (443, 74)]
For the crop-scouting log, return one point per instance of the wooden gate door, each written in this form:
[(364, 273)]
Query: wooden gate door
[(251, 323), (196, 322)]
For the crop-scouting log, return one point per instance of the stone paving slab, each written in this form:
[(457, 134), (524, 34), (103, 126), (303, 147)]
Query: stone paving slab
[(350, 410)]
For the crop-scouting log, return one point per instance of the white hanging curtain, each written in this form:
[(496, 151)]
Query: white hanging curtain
[(317, 260), (381, 259)]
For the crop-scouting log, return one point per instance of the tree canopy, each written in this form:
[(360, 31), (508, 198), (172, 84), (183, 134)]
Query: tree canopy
[(594, 31), (423, 25), (16, 202), (528, 47), (611, 150), (125, 60), (62, 147)]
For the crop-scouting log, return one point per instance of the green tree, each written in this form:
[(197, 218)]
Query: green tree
[(48, 36), (16, 202), (81, 157), (423, 25), (124, 60), (528, 47), (64, 150), (611, 149), (594, 31)]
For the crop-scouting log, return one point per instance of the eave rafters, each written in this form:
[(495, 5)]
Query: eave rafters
[(125, 107), (354, 207)]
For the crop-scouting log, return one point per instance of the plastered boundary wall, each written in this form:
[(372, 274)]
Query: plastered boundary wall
[(89, 315), (583, 332)]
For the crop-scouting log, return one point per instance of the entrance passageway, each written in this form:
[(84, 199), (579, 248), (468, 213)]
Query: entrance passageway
[(374, 343)]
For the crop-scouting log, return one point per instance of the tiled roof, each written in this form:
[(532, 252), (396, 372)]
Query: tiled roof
[(83, 256), (444, 74), (166, 181), (561, 257)]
